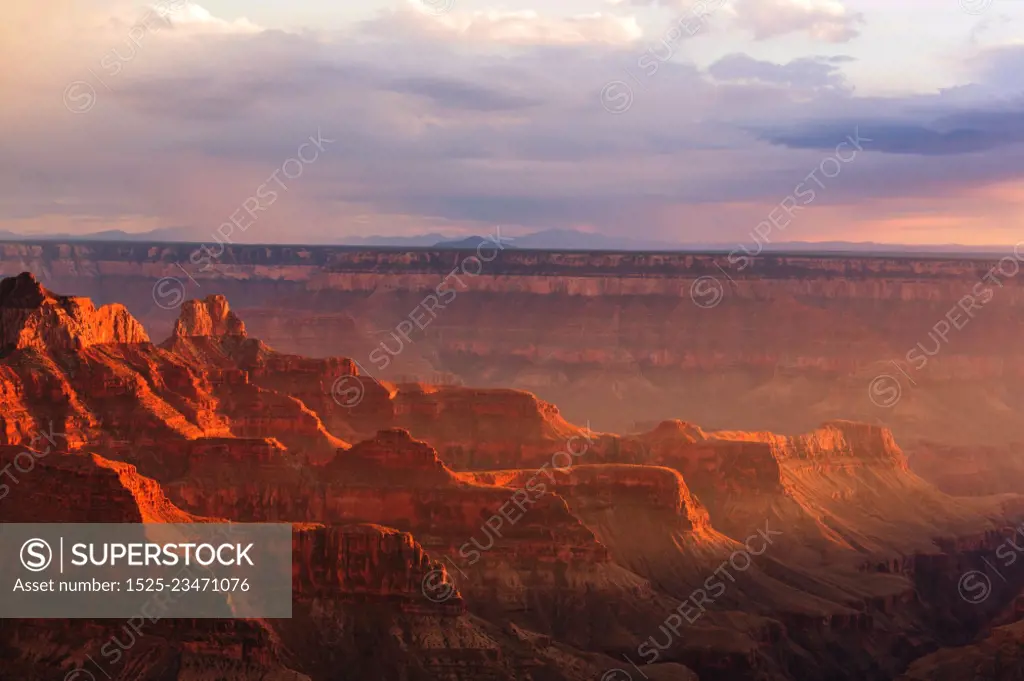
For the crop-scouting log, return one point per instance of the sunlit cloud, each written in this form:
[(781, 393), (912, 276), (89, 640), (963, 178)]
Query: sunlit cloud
[(454, 121)]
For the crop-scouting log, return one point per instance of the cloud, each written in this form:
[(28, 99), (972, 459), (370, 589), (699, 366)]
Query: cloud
[(806, 72), (455, 94), (192, 18), (524, 27), (442, 134), (824, 20), (953, 134)]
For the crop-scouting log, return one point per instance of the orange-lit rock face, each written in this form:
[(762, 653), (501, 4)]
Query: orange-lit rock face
[(80, 488), (610, 485), (392, 480), (615, 338), (396, 456), (836, 442), (208, 317), (329, 561), (718, 466), (338, 572), (824, 489), (506, 555), (486, 429), (365, 561), (33, 318), (562, 543)]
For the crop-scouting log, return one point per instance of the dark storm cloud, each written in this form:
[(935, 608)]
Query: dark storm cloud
[(967, 132), (984, 119)]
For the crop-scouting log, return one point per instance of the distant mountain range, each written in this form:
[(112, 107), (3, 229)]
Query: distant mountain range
[(551, 239), (171, 234), (574, 240), (420, 240)]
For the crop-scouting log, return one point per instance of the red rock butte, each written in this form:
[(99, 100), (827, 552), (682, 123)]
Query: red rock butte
[(467, 533), (34, 318)]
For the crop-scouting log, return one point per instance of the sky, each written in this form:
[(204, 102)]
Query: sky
[(683, 121)]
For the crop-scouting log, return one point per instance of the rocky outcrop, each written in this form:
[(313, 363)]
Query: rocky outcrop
[(399, 482), (54, 487), (472, 428), (363, 563), (391, 457), (33, 318), (616, 339), (824, 487), (610, 485), (266, 393), (355, 589), (835, 443), (512, 554), (360, 596), (718, 465), (486, 429), (211, 316)]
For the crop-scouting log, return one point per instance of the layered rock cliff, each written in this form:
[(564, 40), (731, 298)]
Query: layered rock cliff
[(358, 593), (927, 345), (209, 317), (471, 533), (35, 319), (60, 487)]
